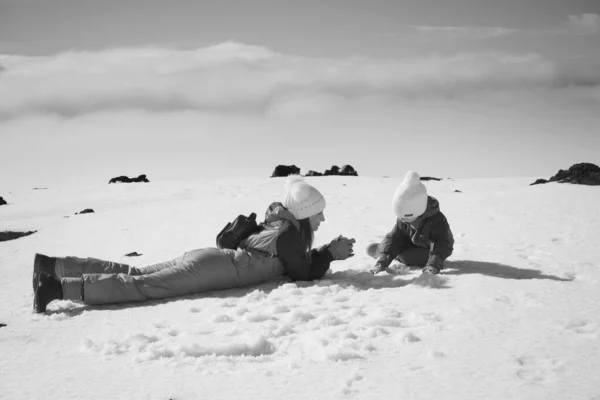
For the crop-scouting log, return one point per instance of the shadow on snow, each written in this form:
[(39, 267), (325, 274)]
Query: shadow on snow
[(496, 270)]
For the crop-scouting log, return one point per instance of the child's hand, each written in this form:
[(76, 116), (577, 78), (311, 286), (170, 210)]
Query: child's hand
[(377, 269)]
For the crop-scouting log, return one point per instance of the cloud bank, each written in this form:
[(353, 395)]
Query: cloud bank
[(233, 77), (464, 32), (584, 24)]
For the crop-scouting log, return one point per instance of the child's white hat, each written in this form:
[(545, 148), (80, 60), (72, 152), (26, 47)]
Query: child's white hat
[(410, 198)]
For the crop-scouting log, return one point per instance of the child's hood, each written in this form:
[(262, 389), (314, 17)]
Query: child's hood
[(433, 207)]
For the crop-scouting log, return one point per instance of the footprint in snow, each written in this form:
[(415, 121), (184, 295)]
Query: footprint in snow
[(538, 370), (584, 328), (222, 318), (349, 383)]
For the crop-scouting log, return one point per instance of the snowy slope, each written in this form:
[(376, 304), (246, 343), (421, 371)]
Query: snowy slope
[(515, 315)]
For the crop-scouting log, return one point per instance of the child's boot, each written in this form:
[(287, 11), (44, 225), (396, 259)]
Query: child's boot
[(373, 250)]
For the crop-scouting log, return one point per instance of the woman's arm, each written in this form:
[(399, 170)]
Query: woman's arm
[(291, 252)]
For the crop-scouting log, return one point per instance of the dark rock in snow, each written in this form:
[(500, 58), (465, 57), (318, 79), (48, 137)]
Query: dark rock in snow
[(2, 202), (582, 174), (348, 170), (285, 170), (86, 211), (133, 254), (457, 191), (538, 182), (12, 235), (314, 173), (124, 179), (2, 325), (430, 178), (334, 170)]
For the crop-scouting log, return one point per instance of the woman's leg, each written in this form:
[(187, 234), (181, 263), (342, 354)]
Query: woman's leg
[(197, 271), (76, 267)]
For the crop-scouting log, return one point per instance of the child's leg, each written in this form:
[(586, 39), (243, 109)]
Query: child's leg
[(195, 272), (409, 251), (416, 256), (76, 266)]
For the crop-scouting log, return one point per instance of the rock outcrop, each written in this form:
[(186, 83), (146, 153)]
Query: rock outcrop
[(346, 170), (12, 235), (124, 179), (2, 202), (313, 173), (86, 211), (582, 174), (285, 170), (334, 170)]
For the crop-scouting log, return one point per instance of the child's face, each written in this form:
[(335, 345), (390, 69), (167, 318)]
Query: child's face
[(408, 220)]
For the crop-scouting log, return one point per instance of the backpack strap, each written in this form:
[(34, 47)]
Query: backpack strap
[(259, 252)]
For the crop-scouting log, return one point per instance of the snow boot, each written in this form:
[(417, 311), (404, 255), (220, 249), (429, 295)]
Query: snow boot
[(373, 250), (430, 270), (49, 288), (42, 263)]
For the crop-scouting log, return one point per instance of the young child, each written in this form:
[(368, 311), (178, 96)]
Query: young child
[(421, 235)]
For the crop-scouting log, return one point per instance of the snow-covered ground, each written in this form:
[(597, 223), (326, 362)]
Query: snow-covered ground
[(516, 314)]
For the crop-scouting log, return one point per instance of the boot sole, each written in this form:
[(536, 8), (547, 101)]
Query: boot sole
[(38, 269), (37, 266)]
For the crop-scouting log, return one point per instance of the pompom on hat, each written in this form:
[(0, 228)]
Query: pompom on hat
[(302, 199), (410, 198)]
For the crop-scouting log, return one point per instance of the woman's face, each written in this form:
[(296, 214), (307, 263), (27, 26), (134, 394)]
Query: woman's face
[(316, 220)]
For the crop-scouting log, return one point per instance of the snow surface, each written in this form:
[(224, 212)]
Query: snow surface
[(516, 314)]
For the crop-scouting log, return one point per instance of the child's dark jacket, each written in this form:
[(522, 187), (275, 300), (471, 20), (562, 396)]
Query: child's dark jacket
[(431, 231)]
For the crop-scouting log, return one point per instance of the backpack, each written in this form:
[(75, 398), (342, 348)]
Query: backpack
[(234, 232)]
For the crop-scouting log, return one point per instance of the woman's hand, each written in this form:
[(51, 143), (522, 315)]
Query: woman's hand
[(341, 248)]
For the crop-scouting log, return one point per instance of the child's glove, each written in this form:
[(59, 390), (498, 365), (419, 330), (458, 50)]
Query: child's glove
[(341, 248), (382, 263), (377, 269)]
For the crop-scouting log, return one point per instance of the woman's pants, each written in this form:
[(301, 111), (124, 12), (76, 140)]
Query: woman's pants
[(97, 281)]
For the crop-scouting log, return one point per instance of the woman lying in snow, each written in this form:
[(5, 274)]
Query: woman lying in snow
[(421, 235), (283, 247)]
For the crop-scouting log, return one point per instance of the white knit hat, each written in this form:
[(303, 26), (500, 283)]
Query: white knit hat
[(302, 199), (410, 199)]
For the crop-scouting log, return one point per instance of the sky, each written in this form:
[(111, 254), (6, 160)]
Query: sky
[(181, 89)]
